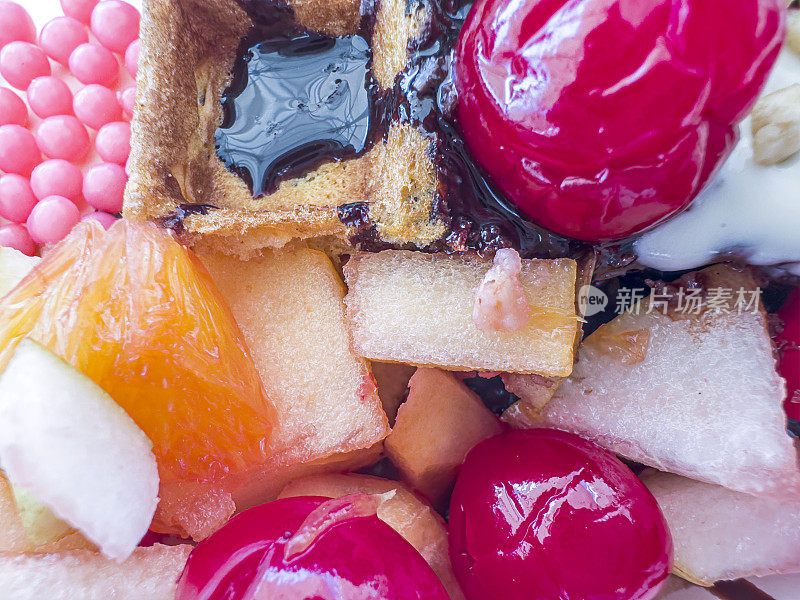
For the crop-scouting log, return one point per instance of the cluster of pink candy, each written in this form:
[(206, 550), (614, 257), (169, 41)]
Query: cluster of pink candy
[(47, 184)]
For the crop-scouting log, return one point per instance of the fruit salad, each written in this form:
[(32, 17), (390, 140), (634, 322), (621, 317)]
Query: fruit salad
[(399, 300)]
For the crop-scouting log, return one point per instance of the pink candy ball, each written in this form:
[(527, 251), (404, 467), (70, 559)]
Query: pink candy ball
[(12, 109), (127, 100), (15, 24), (21, 63), (16, 198), (80, 10), (59, 37), (115, 24), (95, 105), (62, 137), (52, 219), (91, 63), (18, 150), (49, 96), (17, 237), (113, 142), (104, 187), (132, 58), (105, 219), (57, 177)]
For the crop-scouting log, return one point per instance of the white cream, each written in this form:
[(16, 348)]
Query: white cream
[(748, 209)]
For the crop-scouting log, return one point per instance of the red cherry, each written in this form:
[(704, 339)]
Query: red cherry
[(545, 514), (599, 118), (302, 548), (788, 342)]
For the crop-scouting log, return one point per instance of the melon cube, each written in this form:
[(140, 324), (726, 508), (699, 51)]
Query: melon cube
[(405, 512), (416, 308), (696, 395), (721, 534), (149, 573), (435, 429), (289, 305)]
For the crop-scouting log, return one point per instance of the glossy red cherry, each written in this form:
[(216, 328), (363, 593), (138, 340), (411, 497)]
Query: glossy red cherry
[(599, 118), (545, 514), (788, 342), (308, 548)]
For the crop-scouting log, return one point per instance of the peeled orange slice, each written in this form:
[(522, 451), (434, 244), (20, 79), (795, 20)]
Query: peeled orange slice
[(138, 313)]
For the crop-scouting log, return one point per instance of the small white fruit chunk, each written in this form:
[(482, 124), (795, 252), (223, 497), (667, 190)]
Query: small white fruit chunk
[(416, 308), (67, 442), (148, 574), (14, 265), (696, 395), (720, 534)]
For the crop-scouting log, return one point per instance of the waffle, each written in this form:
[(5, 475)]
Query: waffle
[(188, 48)]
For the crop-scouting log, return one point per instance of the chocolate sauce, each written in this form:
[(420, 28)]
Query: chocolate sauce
[(739, 589), (492, 392), (174, 220), (297, 99)]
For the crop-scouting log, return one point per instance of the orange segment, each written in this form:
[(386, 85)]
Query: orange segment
[(139, 314)]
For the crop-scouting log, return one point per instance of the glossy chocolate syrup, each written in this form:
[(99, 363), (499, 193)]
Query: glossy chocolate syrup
[(297, 99), (738, 589)]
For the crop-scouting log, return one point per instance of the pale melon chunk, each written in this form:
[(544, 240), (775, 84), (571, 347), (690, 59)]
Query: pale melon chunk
[(75, 450), (694, 395), (148, 574), (416, 308), (405, 512), (289, 305), (722, 534), (392, 380), (14, 265), (435, 429)]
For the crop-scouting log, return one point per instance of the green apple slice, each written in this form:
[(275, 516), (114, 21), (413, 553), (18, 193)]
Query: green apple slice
[(66, 441), (14, 265), (41, 525)]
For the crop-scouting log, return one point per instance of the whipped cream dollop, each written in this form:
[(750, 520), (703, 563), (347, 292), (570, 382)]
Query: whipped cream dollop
[(749, 210)]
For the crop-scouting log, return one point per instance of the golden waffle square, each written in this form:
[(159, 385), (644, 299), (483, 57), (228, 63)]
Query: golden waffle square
[(176, 178)]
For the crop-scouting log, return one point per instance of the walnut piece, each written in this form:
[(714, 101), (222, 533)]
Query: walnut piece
[(793, 31), (776, 126)]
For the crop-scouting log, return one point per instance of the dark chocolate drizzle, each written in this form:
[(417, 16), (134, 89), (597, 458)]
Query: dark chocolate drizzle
[(492, 392), (297, 99), (738, 589), (174, 220)]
